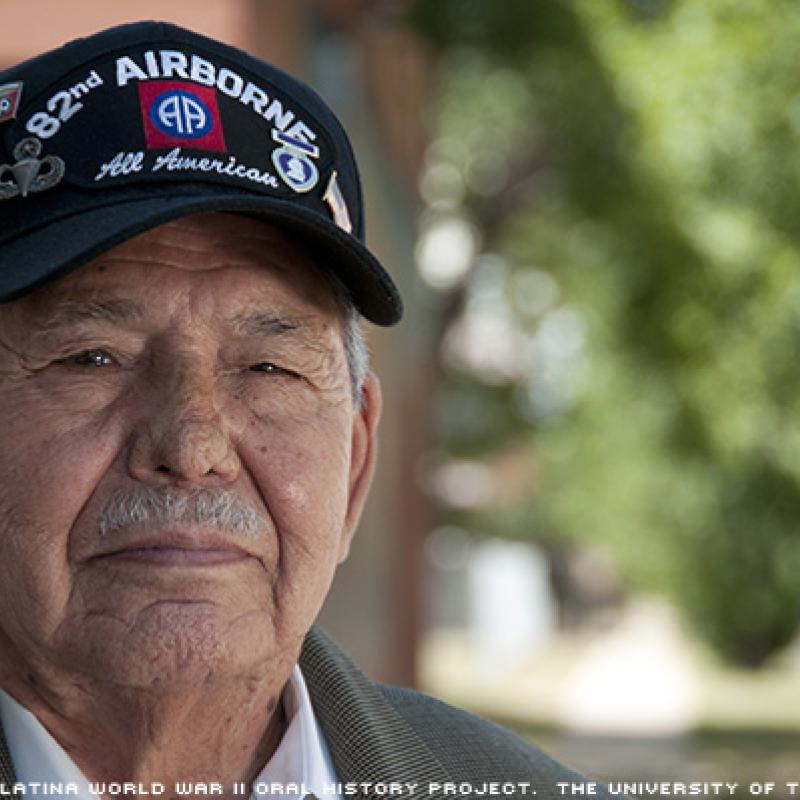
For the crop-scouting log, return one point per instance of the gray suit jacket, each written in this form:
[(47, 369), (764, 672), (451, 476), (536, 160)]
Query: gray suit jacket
[(381, 733)]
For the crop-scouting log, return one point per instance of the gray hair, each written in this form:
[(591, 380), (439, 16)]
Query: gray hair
[(355, 345)]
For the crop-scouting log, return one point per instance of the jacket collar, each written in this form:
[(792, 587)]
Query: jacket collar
[(6, 769), (367, 737)]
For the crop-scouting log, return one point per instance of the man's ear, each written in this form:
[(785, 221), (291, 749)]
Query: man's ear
[(363, 452)]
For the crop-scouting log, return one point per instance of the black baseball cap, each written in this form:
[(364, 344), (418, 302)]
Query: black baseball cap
[(122, 131)]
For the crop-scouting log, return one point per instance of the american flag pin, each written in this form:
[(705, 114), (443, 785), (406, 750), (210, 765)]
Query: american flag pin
[(335, 199)]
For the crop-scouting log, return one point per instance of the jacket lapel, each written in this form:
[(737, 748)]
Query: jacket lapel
[(368, 739)]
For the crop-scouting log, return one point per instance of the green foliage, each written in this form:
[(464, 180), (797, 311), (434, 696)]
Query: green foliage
[(646, 157)]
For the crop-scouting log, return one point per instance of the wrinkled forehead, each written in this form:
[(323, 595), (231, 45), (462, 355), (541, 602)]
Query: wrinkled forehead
[(236, 259)]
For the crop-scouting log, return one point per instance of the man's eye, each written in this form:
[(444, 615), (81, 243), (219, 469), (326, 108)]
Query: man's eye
[(90, 358), (272, 369)]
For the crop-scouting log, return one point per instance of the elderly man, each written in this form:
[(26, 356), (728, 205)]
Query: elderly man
[(188, 439)]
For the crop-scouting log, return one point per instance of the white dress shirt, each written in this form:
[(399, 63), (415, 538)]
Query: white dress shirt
[(301, 759)]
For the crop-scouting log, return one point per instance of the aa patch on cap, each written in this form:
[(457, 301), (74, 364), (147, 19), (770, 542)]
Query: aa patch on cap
[(180, 114)]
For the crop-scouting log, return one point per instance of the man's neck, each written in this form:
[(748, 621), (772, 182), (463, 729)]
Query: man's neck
[(223, 731)]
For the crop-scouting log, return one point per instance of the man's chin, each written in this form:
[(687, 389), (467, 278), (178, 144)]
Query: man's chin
[(172, 646)]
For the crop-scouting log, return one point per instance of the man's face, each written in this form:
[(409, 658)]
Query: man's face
[(204, 354)]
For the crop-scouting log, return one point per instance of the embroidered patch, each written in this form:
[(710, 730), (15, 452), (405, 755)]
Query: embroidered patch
[(177, 114), (293, 162), (10, 95)]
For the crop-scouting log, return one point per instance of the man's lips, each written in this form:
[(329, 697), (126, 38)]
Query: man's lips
[(175, 556), (176, 549)]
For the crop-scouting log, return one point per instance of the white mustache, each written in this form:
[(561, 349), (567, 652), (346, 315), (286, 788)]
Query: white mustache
[(216, 508)]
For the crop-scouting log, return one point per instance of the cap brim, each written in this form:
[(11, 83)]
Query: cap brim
[(47, 253)]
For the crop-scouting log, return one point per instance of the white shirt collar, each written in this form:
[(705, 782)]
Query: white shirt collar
[(302, 757)]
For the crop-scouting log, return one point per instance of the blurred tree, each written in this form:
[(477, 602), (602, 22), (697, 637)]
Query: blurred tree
[(627, 181)]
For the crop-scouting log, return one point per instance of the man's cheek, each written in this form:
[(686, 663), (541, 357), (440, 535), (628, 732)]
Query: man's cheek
[(302, 482), (68, 455), (36, 582), (44, 485)]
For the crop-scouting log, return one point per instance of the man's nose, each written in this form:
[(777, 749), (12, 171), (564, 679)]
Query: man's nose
[(184, 438)]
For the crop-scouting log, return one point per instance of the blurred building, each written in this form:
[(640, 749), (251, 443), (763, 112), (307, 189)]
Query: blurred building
[(371, 69)]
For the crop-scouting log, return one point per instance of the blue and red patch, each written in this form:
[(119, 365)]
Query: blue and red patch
[(178, 114)]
